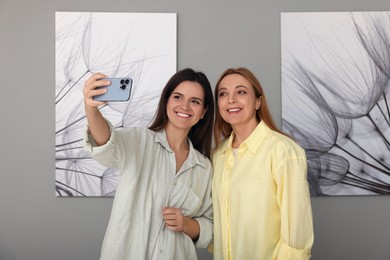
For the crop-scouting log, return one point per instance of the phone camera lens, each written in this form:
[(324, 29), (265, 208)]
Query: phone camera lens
[(122, 81), (127, 81), (123, 87)]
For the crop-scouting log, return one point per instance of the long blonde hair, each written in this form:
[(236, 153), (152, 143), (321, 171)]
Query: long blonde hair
[(222, 129)]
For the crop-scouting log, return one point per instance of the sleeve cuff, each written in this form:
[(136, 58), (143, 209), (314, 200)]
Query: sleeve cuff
[(90, 144), (205, 232), (286, 252)]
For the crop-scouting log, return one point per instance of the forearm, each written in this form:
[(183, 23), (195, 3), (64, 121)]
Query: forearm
[(191, 228), (97, 125)]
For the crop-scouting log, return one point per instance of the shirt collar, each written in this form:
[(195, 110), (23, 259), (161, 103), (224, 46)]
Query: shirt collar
[(194, 156), (253, 142), (161, 137)]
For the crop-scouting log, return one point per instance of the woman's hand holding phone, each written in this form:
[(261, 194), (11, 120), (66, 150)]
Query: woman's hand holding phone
[(103, 89), (97, 124), (92, 87)]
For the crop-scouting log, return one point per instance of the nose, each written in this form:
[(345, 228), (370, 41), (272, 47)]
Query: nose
[(232, 98), (186, 104)]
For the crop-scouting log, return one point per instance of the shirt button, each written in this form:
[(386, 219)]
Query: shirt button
[(174, 183)]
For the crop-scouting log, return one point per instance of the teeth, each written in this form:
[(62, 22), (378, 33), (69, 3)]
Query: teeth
[(234, 110), (183, 115)]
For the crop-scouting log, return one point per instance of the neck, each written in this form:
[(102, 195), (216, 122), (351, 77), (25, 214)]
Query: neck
[(177, 138), (242, 132)]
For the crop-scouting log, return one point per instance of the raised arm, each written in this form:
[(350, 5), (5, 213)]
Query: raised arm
[(97, 125)]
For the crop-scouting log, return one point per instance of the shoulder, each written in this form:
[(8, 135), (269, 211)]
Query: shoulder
[(134, 134), (284, 146), (201, 159), (134, 130), (221, 147)]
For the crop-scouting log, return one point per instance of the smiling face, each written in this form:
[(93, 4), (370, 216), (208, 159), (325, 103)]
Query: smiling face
[(185, 105), (237, 101)]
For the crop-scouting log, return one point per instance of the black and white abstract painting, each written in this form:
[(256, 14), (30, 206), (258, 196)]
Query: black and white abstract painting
[(141, 46), (336, 98)]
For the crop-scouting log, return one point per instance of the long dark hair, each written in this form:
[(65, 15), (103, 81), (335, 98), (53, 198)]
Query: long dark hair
[(222, 129), (201, 133)]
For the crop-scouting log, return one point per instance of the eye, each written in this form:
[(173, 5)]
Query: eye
[(176, 97), (222, 94), (241, 92), (195, 101)]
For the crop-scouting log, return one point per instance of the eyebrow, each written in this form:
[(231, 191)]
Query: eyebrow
[(178, 93), (241, 86), (238, 86)]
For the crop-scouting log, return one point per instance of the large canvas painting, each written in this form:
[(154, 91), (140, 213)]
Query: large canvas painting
[(336, 98), (141, 46)]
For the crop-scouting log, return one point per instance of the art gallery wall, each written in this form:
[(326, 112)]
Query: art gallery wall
[(212, 36)]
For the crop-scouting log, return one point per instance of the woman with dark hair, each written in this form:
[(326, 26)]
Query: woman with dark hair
[(260, 193), (162, 206)]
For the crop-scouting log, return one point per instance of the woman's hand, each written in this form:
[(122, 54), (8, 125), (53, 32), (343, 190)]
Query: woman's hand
[(90, 90), (175, 221)]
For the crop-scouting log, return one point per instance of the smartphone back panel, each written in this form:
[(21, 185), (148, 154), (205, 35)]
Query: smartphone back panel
[(118, 91)]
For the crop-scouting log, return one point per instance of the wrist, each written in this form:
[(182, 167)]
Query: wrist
[(191, 228), (90, 110)]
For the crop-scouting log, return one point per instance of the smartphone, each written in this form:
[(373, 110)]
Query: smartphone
[(118, 91)]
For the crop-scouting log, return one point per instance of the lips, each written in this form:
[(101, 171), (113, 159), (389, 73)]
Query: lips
[(183, 115), (234, 110)]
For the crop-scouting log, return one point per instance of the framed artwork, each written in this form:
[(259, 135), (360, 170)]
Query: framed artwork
[(141, 46), (336, 98)]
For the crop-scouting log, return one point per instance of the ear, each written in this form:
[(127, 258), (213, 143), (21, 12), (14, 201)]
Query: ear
[(204, 112), (258, 103)]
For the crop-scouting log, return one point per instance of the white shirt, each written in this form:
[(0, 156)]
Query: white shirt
[(148, 183)]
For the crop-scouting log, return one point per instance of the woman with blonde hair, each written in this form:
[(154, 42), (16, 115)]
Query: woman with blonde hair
[(260, 193)]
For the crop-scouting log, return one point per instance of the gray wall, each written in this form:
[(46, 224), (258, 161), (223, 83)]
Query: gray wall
[(212, 35)]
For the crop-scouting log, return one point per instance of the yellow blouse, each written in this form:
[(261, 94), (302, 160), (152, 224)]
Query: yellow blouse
[(261, 199)]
